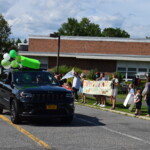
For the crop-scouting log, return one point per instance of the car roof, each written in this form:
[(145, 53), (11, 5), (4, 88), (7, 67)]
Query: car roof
[(25, 70)]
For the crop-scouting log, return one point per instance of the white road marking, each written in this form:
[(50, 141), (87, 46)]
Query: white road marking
[(114, 131)]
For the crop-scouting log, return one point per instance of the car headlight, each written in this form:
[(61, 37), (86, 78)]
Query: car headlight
[(24, 94), (70, 95)]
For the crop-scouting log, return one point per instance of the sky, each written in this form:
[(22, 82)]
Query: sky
[(42, 17)]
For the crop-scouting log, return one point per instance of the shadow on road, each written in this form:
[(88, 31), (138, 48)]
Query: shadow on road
[(88, 120), (79, 120)]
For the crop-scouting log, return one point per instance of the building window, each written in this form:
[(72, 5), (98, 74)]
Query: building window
[(131, 75), (142, 70), (132, 69), (121, 69)]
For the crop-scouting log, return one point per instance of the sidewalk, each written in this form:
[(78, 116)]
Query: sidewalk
[(116, 111)]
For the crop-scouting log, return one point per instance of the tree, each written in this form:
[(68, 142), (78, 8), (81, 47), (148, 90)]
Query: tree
[(111, 32), (71, 28), (18, 41), (89, 29), (5, 31), (82, 28), (86, 28), (25, 41), (5, 43)]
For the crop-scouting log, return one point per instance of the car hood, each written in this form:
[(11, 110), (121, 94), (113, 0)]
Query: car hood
[(41, 88)]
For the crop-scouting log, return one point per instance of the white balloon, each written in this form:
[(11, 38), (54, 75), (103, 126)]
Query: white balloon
[(7, 67), (6, 56)]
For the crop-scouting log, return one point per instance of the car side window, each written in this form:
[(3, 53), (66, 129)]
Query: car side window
[(9, 79), (3, 76)]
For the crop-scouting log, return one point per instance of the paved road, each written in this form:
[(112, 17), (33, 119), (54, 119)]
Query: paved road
[(91, 129)]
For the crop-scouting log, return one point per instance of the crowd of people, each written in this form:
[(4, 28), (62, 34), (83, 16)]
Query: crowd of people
[(137, 94)]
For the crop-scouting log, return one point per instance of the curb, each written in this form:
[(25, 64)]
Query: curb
[(115, 111)]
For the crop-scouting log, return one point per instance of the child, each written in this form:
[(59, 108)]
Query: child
[(131, 91), (138, 102)]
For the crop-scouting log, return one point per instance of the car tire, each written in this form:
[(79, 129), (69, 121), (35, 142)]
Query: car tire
[(14, 112), (1, 109), (67, 120)]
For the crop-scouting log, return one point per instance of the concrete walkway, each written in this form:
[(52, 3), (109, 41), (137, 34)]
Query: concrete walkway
[(115, 111)]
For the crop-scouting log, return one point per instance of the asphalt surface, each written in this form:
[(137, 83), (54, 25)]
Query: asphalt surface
[(91, 129)]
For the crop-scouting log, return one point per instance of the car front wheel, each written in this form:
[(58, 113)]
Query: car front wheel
[(14, 113), (1, 109)]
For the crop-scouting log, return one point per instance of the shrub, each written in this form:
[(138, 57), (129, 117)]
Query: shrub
[(119, 76), (62, 69), (76, 69), (91, 74)]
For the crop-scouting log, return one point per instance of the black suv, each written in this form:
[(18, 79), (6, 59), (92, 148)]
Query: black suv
[(34, 94)]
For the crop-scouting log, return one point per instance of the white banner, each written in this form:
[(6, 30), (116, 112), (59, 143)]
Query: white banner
[(97, 87)]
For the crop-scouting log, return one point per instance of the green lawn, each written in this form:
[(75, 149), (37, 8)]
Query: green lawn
[(119, 105)]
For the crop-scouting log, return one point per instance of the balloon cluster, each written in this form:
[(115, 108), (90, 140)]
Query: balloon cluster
[(18, 61)]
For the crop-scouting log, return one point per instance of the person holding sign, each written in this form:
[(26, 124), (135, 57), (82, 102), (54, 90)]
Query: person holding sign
[(115, 84), (82, 77), (98, 97), (103, 97)]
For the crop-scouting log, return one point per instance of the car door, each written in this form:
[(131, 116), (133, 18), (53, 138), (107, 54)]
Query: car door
[(7, 90), (3, 77)]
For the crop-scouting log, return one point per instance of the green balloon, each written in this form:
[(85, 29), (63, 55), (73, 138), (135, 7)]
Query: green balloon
[(13, 53), (18, 59), (5, 63), (14, 64), (30, 63)]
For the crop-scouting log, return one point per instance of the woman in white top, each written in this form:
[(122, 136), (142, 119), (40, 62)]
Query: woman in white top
[(76, 85), (115, 83)]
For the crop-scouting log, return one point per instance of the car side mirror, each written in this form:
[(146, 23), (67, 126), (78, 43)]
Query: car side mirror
[(12, 84)]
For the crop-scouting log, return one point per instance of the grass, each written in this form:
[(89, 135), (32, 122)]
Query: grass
[(90, 100)]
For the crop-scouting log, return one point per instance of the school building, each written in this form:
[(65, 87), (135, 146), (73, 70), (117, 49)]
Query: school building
[(125, 55)]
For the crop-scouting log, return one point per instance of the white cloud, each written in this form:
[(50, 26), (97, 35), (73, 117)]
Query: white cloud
[(32, 17), (139, 31), (113, 21)]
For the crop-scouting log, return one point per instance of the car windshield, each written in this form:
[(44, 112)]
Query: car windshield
[(42, 78)]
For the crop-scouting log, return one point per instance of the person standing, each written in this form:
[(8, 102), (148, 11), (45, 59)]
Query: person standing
[(103, 97), (138, 102), (81, 88), (98, 97), (76, 85), (131, 91), (137, 82), (115, 84), (146, 94)]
